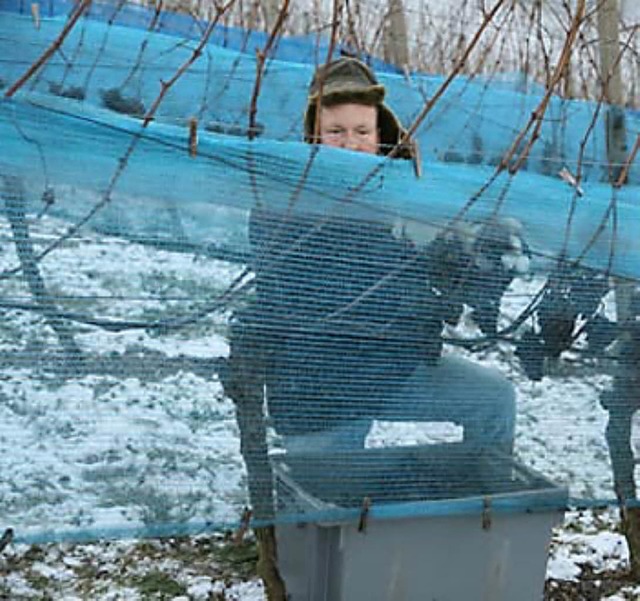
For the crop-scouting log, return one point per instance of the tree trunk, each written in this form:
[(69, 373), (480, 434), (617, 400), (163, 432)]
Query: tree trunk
[(621, 410), (14, 198), (616, 133), (244, 384), (395, 37)]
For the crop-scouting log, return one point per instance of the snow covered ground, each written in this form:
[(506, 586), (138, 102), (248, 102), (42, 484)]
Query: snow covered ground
[(73, 448), (143, 435), (587, 562), (146, 436)]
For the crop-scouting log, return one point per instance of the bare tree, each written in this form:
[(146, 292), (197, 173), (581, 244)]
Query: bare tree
[(622, 408), (395, 38)]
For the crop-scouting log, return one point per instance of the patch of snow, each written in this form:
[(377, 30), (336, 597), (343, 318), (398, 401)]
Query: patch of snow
[(98, 452)]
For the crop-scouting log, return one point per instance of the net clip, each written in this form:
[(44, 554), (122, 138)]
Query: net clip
[(567, 176), (486, 513), (193, 137), (416, 158), (364, 514), (35, 14)]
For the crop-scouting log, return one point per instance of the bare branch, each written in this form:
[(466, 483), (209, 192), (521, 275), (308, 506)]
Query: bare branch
[(426, 109), (335, 23), (539, 112), (16, 214), (77, 12), (124, 160), (165, 86), (260, 63), (622, 178)]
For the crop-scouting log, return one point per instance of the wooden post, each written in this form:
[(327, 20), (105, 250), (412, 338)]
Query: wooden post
[(395, 37), (609, 36), (620, 411), (270, 12)]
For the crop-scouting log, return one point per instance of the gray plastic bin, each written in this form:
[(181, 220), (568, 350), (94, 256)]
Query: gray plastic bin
[(445, 523)]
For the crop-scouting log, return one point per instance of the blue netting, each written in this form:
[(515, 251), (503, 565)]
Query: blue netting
[(308, 48), (148, 279), (474, 123)]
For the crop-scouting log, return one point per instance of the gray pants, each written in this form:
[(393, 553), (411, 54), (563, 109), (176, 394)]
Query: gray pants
[(455, 390)]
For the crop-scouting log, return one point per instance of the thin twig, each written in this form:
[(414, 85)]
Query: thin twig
[(165, 86), (261, 57), (143, 46), (426, 109), (622, 178), (352, 33), (76, 53), (598, 231), (124, 160), (583, 144), (541, 109), (335, 22), (103, 45), (77, 12), (219, 304)]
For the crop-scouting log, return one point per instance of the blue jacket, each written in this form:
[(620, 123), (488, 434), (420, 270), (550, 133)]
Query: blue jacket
[(343, 314)]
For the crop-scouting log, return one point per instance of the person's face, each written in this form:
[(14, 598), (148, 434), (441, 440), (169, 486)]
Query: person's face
[(350, 126)]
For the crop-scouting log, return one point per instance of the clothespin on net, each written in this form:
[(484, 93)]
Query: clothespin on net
[(193, 137), (567, 176), (35, 14)]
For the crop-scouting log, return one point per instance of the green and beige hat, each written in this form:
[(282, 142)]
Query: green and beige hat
[(348, 80)]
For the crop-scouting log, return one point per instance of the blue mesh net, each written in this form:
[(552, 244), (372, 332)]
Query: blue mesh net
[(187, 309)]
